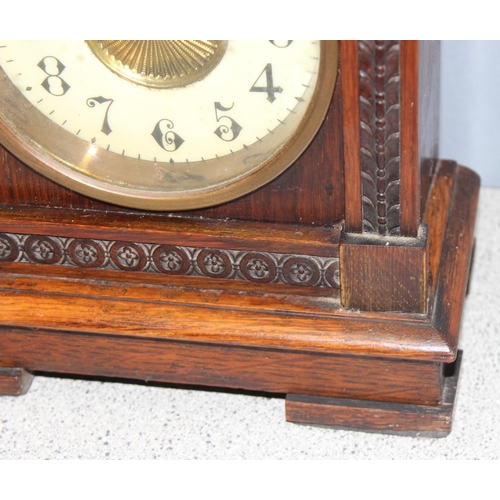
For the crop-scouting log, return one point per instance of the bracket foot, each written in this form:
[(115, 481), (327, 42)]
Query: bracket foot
[(14, 381), (378, 416)]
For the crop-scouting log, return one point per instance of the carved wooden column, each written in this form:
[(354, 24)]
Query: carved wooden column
[(379, 122), (384, 247)]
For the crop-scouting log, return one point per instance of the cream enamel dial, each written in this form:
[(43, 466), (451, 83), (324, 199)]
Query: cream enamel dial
[(163, 132)]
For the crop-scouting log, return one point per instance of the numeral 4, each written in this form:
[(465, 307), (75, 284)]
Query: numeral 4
[(270, 89)]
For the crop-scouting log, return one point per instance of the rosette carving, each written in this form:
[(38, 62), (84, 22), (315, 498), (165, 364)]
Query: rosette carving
[(210, 263)]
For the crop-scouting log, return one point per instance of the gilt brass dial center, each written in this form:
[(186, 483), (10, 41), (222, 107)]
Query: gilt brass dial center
[(160, 63)]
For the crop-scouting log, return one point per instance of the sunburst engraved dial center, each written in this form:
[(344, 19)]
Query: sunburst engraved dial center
[(160, 63)]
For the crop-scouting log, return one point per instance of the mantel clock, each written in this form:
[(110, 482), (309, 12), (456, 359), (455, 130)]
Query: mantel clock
[(257, 215)]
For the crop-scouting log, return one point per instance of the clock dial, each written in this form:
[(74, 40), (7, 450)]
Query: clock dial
[(161, 125)]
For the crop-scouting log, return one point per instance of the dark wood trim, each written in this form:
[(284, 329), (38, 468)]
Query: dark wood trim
[(456, 257), (270, 370), (439, 206), (14, 381), (350, 116), (156, 228), (410, 168), (384, 273), (240, 315), (387, 418)]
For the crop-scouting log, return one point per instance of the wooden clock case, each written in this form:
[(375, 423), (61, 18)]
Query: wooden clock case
[(340, 284)]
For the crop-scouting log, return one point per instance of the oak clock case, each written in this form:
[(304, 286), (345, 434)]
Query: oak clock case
[(331, 265)]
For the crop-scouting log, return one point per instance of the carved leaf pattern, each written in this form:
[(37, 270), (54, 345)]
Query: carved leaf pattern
[(379, 106)]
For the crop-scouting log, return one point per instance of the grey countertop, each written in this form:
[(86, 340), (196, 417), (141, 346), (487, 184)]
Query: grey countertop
[(82, 419)]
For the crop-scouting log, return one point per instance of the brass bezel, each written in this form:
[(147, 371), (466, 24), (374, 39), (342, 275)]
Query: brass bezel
[(63, 157)]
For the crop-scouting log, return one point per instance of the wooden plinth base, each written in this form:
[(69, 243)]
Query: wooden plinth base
[(386, 418), (14, 381), (364, 369)]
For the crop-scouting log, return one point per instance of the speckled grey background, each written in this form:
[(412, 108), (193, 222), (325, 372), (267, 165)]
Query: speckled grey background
[(71, 419)]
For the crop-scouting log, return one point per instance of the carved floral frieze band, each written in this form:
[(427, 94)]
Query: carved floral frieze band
[(260, 267)]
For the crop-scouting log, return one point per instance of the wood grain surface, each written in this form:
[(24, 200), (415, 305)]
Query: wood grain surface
[(269, 370), (14, 381), (456, 257), (410, 168), (350, 116), (384, 273), (156, 228), (388, 418)]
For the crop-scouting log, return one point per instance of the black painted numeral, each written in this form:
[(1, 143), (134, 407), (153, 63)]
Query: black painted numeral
[(229, 128), (91, 103), (270, 89), (166, 137), (281, 44), (53, 84)]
